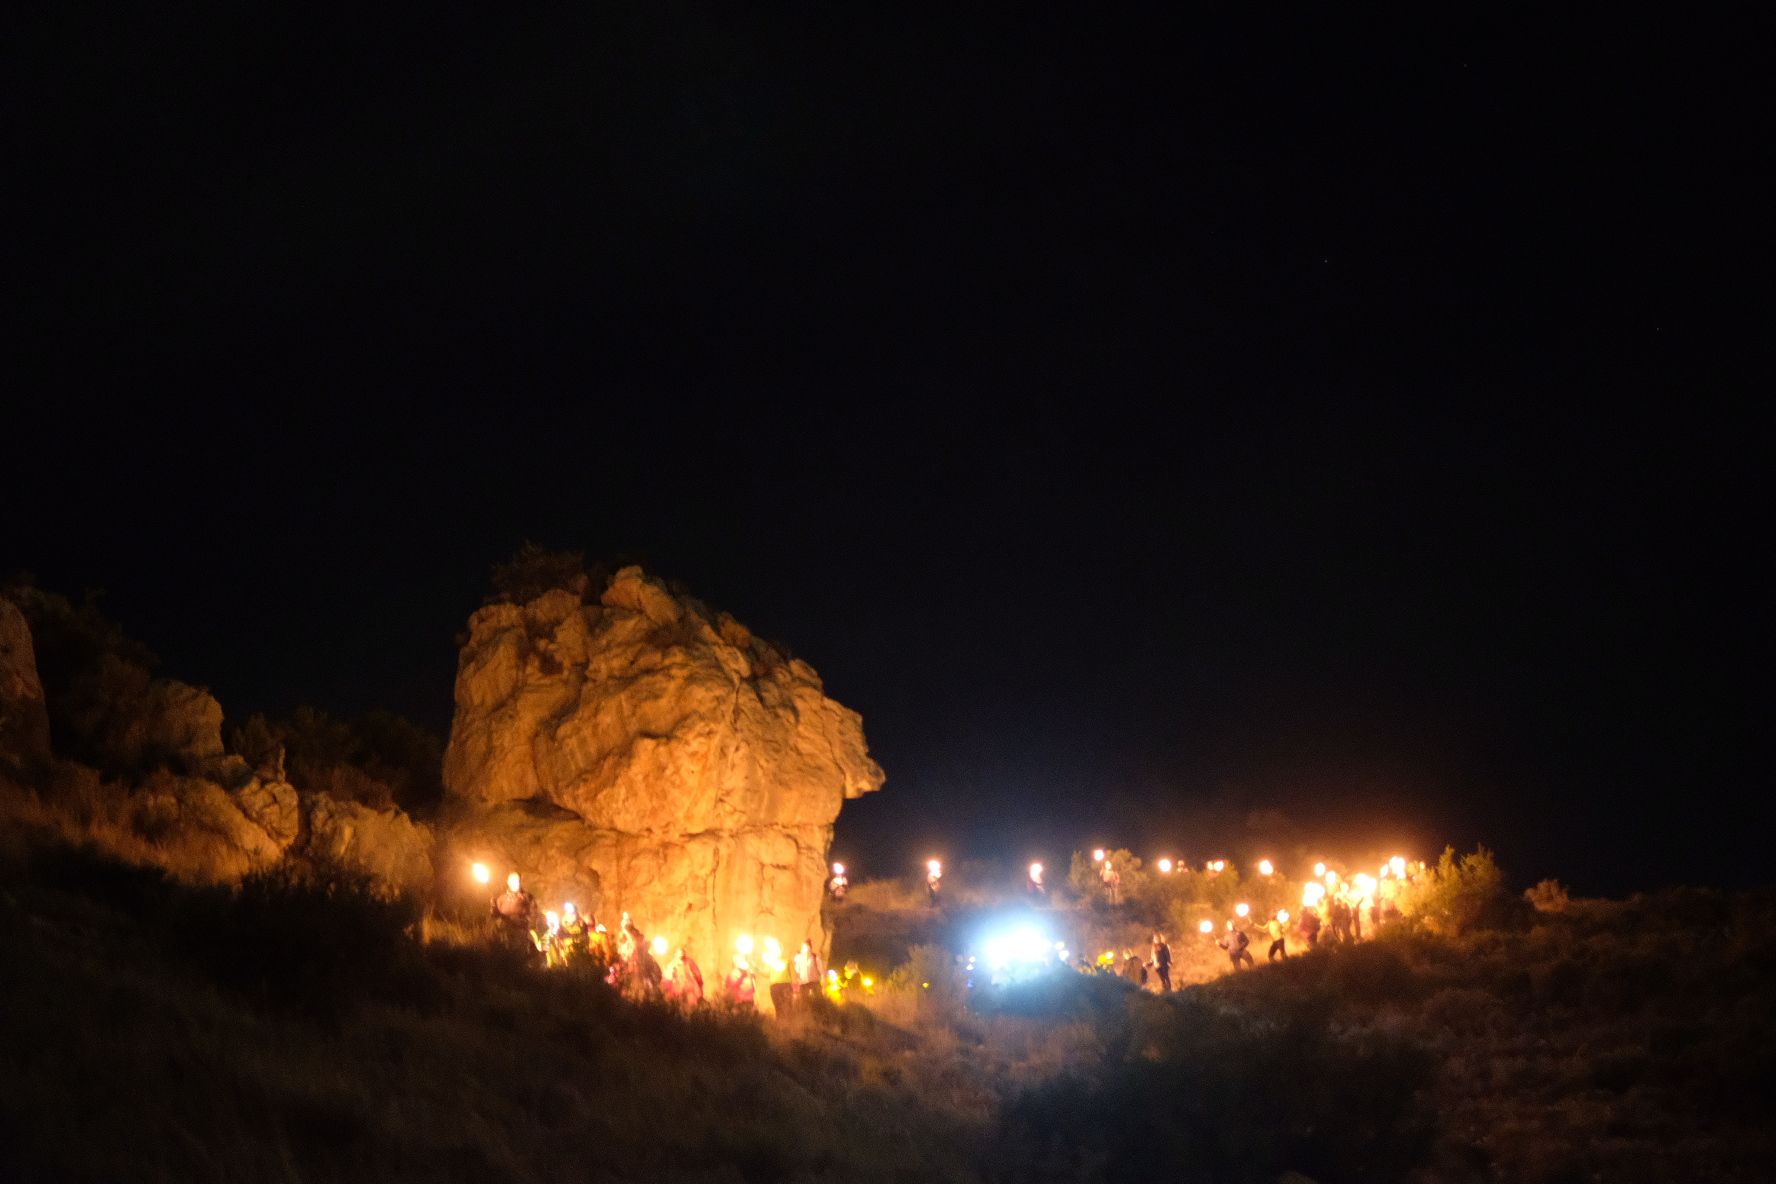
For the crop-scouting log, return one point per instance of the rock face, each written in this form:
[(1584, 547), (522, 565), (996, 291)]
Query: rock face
[(176, 724), (647, 755), (384, 844), (200, 831), (24, 720)]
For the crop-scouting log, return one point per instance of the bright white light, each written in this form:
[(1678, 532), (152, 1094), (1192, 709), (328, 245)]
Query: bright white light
[(1242, 909), (481, 874), (838, 869), (1265, 867), (935, 867), (659, 947), (1207, 927), (1025, 946), (1319, 870), (1165, 867), (743, 944), (1398, 866), (1098, 855)]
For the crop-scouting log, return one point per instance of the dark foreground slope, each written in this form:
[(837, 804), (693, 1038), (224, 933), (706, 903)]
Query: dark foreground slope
[(153, 1032), (1609, 1040)]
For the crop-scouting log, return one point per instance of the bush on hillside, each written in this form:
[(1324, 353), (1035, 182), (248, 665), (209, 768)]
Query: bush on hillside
[(1459, 895), (1549, 896), (379, 759), (533, 570), (1085, 876)]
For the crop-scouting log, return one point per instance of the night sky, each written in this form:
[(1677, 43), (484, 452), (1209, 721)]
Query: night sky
[(1147, 423)]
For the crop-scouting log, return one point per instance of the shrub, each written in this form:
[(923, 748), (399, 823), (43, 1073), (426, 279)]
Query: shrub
[(929, 985), (1085, 877), (1549, 896), (1460, 894), (533, 570), (379, 759)]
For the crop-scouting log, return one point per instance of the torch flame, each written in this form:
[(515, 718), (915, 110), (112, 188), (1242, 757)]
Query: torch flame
[(481, 874), (1207, 927), (1242, 909), (1165, 867), (743, 944), (1319, 870), (838, 869), (659, 947), (1098, 855), (1266, 867), (1398, 865)]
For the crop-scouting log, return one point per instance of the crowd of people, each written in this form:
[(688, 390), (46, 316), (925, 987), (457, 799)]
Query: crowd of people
[(1335, 909), (641, 968)]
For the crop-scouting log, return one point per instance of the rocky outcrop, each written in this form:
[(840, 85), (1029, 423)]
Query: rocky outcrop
[(271, 806), (24, 720), (164, 791), (198, 830), (175, 725), (645, 754), (385, 845)]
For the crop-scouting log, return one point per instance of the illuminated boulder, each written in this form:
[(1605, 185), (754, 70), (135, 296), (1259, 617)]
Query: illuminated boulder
[(386, 845), (643, 753)]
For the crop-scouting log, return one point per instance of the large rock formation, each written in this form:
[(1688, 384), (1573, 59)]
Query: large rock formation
[(644, 754), (24, 720)]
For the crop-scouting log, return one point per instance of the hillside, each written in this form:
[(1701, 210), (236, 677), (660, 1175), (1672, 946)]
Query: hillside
[(303, 1031)]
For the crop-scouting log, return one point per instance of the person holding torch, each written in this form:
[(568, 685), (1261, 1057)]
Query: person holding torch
[(514, 912), (1162, 962), (1235, 944)]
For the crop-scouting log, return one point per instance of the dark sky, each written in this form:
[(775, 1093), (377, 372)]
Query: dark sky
[(1145, 421)]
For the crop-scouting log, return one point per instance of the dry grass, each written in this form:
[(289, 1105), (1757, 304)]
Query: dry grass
[(81, 809)]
